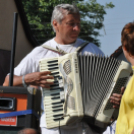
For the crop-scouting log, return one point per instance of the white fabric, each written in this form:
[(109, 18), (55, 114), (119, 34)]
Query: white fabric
[(111, 129), (31, 64)]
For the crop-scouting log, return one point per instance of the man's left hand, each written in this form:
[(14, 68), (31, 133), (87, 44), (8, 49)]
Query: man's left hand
[(116, 98)]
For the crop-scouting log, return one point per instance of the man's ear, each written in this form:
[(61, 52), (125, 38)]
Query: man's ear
[(55, 25)]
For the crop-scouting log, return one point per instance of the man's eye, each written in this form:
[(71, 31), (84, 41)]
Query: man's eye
[(71, 24), (78, 24)]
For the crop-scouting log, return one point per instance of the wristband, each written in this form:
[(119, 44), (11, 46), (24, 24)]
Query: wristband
[(23, 81)]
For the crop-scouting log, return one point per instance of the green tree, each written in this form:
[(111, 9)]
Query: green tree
[(39, 13)]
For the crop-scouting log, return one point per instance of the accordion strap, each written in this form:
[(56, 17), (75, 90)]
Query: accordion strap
[(58, 50), (81, 46)]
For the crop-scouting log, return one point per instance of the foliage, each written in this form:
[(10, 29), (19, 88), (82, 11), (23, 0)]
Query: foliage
[(39, 13)]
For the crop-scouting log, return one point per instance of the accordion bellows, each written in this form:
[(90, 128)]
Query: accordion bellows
[(82, 87)]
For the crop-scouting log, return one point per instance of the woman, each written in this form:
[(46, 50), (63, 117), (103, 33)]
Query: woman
[(125, 121)]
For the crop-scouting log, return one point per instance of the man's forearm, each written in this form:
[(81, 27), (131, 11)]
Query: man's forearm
[(35, 79), (17, 81)]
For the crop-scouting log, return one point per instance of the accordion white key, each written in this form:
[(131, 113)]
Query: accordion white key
[(82, 88)]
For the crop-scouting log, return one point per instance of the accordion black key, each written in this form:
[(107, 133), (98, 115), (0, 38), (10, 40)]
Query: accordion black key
[(82, 87)]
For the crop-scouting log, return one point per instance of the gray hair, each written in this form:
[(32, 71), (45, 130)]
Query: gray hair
[(61, 10)]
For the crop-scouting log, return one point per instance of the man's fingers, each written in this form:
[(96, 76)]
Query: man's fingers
[(45, 72), (115, 99), (47, 77), (46, 82), (115, 102), (45, 86), (122, 90), (116, 96), (115, 106), (44, 75)]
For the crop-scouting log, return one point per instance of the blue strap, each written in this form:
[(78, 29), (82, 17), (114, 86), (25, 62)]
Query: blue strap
[(18, 113)]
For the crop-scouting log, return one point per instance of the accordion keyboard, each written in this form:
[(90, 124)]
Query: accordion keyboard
[(53, 98)]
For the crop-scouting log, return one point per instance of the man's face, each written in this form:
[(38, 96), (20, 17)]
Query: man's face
[(69, 28)]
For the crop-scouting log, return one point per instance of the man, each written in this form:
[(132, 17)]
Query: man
[(66, 23)]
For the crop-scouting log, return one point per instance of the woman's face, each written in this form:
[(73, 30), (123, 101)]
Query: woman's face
[(126, 54)]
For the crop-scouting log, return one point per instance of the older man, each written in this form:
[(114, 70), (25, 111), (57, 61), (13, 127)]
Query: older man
[(66, 23)]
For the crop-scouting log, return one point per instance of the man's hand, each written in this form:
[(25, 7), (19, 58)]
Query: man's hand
[(116, 98), (35, 79), (39, 79)]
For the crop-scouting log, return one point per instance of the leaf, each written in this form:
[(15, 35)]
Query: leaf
[(39, 14)]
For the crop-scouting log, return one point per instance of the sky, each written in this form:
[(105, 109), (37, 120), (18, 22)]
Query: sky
[(114, 21)]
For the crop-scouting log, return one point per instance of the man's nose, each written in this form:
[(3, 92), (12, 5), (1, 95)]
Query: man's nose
[(76, 27)]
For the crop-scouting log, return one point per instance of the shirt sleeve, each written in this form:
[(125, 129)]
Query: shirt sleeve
[(24, 67), (29, 63)]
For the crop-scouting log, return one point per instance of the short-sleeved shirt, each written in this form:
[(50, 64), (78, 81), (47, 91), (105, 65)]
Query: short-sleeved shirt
[(31, 64)]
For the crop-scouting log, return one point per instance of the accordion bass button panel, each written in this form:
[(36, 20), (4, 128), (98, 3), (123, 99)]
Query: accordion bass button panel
[(107, 112), (60, 100)]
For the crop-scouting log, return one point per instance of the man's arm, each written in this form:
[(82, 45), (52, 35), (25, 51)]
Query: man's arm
[(34, 79)]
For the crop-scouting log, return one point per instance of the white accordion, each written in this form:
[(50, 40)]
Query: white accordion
[(82, 87)]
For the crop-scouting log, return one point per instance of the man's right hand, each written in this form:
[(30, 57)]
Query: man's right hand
[(39, 79), (34, 79)]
